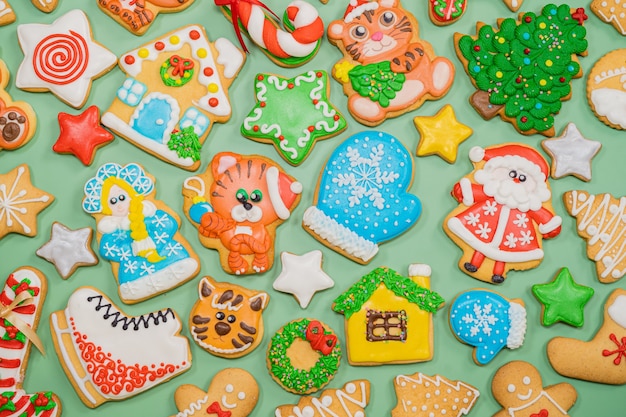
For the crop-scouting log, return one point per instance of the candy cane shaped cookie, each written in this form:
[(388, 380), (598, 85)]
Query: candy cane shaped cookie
[(287, 48)]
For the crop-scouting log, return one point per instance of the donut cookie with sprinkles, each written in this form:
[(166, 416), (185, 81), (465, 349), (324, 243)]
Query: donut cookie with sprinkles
[(303, 356)]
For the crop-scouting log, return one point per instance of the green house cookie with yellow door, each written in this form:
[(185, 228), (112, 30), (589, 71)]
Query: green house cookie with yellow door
[(388, 317)]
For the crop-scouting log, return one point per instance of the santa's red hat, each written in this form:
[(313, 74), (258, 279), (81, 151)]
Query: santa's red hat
[(477, 154), (283, 191), (357, 8)]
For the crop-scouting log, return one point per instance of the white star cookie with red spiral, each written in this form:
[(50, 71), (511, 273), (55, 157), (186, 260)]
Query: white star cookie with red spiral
[(62, 58)]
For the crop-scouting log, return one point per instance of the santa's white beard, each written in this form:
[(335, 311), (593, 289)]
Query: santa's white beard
[(511, 194)]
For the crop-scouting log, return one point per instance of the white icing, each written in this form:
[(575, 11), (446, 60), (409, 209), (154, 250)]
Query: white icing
[(572, 153), (611, 18), (302, 276), (339, 235), (419, 380), (193, 407), (551, 225), (420, 270), (173, 116), (67, 249), (617, 310), (529, 404), (5, 9), (99, 59), (273, 188), (466, 191), (229, 56), (14, 201), (159, 281), (476, 154), (517, 327), (610, 103)]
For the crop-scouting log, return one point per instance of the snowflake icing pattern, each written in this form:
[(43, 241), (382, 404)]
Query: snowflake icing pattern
[(15, 200), (481, 321), (365, 178)]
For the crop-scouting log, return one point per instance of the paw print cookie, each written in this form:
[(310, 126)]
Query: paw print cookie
[(518, 387), (17, 119)]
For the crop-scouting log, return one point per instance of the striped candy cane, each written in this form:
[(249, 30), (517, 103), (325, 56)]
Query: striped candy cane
[(292, 47)]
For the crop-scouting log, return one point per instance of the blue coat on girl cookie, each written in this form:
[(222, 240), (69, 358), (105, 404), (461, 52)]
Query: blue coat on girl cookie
[(489, 322), (135, 234), (362, 197)]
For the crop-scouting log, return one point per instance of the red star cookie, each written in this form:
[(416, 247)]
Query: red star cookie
[(81, 135)]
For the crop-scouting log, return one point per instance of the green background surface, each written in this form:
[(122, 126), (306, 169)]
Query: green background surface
[(64, 177)]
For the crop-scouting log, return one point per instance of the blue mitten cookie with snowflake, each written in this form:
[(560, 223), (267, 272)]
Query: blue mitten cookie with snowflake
[(362, 197)]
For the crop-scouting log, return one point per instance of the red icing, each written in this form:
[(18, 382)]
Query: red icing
[(319, 341), (542, 413), (262, 104), (336, 117), (255, 128), (315, 101), (260, 77), (114, 377), (477, 48), (281, 137), (208, 71), (527, 19), (194, 34), (129, 59), (61, 58), (81, 135), (215, 408), (159, 46), (318, 74), (524, 119), (290, 86), (580, 15), (620, 351), (311, 128), (180, 65), (213, 102)]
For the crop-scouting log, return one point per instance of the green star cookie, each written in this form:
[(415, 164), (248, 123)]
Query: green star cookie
[(562, 299), (293, 113)]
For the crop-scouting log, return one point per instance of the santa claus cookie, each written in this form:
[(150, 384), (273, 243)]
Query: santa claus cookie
[(504, 213)]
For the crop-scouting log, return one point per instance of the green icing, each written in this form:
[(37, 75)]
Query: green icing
[(448, 10), (527, 66), (28, 282), (185, 143), (9, 405), (376, 81), (41, 408), (18, 335), (300, 380), (353, 299), (180, 79)]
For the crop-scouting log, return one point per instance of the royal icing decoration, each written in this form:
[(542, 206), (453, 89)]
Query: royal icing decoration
[(601, 221), (68, 249), (441, 134), (445, 12), (518, 388), (17, 119), (604, 356), (362, 198), (109, 356), (62, 58), (388, 317), (233, 392), (504, 212), (288, 48), (81, 135), (387, 70), (571, 153), (227, 319), (138, 15), (523, 69), (237, 204), (563, 300), (20, 202), (297, 345), (349, 401), (171, 118), (7, 15), (302, 276), (292, 114), (30, 286), (420, 395), (611, 11), (489, 322), (137, 234), (606, 91)]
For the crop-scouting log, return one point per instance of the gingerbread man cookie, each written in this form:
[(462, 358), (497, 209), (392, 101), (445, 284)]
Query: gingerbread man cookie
[(517, 386), (233, 392)]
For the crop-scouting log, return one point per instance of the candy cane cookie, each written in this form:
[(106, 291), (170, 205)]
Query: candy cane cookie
[(287, 48)]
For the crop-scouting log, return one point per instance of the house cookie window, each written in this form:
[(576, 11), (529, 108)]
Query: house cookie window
[(386, 325)]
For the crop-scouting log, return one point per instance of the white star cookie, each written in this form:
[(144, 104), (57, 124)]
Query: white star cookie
[(62, 58), (571, 153), (68, 249), (302, 276)]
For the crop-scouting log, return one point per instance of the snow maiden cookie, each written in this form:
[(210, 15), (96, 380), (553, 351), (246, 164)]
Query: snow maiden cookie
[(387, 70), (523, 69), (504, 213), (138, 15), (21, 301), (136, 233), (237, 204), (606, 90), (227, 319), (348, 401), (361, 198), (17, 119), (293, 114), (109, 356), (303, 356), (288, 48), (62, 58), (176, 88)]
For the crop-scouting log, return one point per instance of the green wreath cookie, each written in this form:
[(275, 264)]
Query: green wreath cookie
[(303, 356)]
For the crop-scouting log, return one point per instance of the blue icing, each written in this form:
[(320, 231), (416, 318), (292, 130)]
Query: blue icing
[(131, 92), (481, 319), (153, 119), (194, 117), (364, 187), (117, 247)]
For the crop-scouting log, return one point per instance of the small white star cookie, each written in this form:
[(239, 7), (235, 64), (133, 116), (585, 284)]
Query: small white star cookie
[(68, 249), (302, 276), (571, 153)]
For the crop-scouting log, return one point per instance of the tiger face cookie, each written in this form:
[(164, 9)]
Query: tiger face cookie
[(227, 319), (387, 70), (138, 15), (237, 204)]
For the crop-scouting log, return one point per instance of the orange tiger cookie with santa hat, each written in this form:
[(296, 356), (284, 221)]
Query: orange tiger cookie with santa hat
[(504, 213)]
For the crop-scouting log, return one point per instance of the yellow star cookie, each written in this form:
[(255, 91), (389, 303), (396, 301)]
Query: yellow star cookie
[(20, 202), (441, 134)]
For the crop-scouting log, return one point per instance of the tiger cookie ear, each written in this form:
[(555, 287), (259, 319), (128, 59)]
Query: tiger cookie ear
[(206, 287), (335, 29), (388, 3), (222, 161), (259, 301)]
